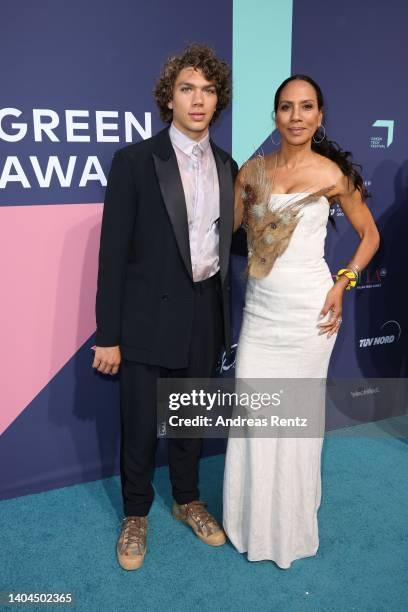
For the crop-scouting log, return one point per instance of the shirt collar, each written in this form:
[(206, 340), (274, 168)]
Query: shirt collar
[(186, 144)]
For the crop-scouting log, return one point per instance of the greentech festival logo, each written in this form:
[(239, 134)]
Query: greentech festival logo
[(378, 142)]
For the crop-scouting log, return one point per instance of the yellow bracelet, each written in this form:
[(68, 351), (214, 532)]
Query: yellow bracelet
[(352, 276)]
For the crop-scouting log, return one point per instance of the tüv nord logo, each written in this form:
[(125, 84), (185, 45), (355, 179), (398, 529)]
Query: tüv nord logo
[(377, 142), (391, 333)]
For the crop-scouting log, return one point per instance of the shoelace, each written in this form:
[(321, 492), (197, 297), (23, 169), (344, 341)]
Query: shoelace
[(198, 512), (135, 530)]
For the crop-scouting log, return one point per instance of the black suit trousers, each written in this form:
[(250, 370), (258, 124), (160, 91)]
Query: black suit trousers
[(139, 410)]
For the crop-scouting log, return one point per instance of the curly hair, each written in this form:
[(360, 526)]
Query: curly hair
[(201, 57)]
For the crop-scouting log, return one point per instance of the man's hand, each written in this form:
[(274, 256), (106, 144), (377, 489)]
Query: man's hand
[(107, 359)]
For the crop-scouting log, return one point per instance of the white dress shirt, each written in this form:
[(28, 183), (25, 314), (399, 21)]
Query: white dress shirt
[(199, 177)]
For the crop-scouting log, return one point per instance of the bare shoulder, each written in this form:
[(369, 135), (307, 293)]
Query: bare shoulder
[(246, 170), (330, 174), (253, 165), (328, 168)]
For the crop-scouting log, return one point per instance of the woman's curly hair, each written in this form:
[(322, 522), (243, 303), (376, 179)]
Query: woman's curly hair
[(201, 58)]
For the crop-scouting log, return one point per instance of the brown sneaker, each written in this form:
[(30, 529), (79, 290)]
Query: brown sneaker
[(201, 522), (131, 546)]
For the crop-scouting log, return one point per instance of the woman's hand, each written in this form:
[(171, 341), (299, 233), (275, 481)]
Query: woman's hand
[(362, 221), (333, 303)]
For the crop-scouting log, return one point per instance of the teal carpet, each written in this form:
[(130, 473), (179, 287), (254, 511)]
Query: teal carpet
[(64, 541)]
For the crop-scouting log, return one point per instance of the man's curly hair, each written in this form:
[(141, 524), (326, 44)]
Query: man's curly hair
[(201, 58)]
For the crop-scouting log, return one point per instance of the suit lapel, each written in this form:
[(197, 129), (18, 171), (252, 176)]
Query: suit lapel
[(226, 209), (171, 187)]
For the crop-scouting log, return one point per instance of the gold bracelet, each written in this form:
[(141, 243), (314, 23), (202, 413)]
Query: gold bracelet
[(352, 277)]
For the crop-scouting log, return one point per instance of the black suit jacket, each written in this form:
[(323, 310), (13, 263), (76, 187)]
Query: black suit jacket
[(145, 292)]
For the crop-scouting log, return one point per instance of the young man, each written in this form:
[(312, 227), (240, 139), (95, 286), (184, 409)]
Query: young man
[(162, 304)]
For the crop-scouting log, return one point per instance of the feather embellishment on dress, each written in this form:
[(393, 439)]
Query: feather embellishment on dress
[(269, 230)]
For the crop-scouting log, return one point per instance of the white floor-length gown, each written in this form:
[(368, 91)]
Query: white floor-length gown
[(272, 486)]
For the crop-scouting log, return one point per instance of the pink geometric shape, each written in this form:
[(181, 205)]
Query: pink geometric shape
[(48, 270)]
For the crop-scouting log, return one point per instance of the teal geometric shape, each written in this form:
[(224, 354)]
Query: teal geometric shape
[(389, 124), (262, 49)]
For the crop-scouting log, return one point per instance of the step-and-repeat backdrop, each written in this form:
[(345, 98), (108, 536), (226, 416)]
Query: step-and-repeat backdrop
[(76, 85)]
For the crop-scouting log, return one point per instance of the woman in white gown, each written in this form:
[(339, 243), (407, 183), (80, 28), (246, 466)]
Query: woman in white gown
[(272, 486)]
